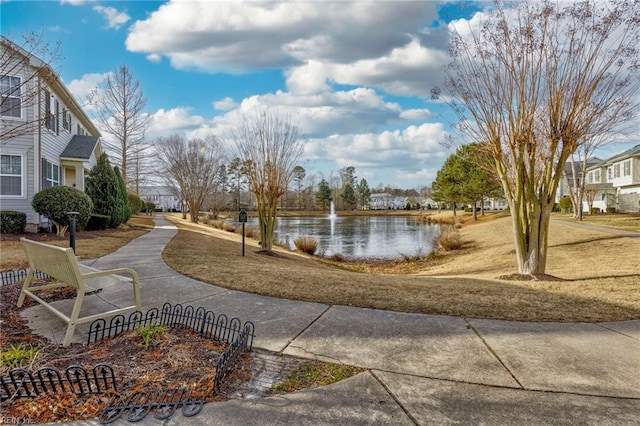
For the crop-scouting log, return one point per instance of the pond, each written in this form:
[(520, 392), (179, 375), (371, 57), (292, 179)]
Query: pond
[(384, 237)]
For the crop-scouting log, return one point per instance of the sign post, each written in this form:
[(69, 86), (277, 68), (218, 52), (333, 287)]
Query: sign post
[(242, 218)]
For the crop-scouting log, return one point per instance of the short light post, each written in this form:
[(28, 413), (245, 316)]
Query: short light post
[(72, 229), (242, 218)]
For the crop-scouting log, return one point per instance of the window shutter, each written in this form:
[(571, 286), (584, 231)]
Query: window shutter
[(57, 118), (43, 173)]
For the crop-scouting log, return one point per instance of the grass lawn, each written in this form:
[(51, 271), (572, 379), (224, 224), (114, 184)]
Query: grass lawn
[(89, 245), (600, 272), (626, 222)]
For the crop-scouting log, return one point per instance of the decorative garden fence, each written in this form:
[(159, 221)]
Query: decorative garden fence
[(22, 383), (199, 320), (12, 277)]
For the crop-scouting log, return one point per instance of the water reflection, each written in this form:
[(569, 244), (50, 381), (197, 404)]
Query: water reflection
[(359, 237)]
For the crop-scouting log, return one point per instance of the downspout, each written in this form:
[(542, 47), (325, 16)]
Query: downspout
[(37, 185)]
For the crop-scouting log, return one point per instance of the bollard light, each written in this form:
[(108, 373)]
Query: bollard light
[(72, 229)]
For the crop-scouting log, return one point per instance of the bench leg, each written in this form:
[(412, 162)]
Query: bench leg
[(73, 320), (25, 286)]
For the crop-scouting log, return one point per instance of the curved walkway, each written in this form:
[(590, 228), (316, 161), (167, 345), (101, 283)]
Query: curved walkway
[(422, 369)]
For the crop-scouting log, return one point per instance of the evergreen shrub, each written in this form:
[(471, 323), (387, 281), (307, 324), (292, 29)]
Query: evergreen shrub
[(12, 222)]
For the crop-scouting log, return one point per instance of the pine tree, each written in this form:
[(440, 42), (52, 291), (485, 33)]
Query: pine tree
[(106, 189), (323, 196)]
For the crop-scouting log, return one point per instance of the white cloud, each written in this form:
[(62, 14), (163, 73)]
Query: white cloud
[(364, 43), (83, 88), (76, 2), (320, 115), (225, 104), (114, 18), (154, 57), (415, 114), (413, 153), (176, 120)]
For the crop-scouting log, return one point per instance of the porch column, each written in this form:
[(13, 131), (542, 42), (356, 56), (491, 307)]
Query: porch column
[(80, 178)]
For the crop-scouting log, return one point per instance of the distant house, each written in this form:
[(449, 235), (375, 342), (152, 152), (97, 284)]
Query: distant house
[(385, 201), (47, 139), (615, 182), (162, 196), (565, 184)]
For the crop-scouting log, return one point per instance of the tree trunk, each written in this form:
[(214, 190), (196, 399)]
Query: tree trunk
[(474, 214), (530, 232)]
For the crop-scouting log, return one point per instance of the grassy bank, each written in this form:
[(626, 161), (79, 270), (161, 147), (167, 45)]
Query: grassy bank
[(600, 273)]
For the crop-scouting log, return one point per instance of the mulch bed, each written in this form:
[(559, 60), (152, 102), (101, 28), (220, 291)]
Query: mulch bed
[(177, 358)]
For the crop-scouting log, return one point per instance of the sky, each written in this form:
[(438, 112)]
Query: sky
[(355, 76)]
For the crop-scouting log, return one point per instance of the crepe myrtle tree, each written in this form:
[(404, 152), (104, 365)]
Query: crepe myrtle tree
[(267, 142), (191, 168), (532, 82)]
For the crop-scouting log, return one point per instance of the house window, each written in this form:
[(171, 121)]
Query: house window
[(66, 120), (11, 88), (52, 175), (627, 168), (80, 131), (616, 170), (11, 175), (51, 112), (596, 176)]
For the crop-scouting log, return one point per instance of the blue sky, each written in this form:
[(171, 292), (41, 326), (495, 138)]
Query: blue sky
[(356, 75)]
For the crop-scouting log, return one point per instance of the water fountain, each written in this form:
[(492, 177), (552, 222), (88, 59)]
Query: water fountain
[(332, 215)]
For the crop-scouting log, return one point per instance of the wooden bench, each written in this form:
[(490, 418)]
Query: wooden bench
[(62, 265)]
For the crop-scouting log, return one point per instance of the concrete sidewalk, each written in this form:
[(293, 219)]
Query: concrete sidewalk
[(422, 369)]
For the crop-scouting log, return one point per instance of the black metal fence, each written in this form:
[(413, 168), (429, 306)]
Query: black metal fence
[(12, 277), (163, 403), (227, 360), (22, 383), (199, 320)]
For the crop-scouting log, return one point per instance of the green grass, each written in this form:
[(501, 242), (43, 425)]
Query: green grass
[(17, 356), (315, 373), (150, 332)]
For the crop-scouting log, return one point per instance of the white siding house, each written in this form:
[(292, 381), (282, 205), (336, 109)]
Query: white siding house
[(385, 201), (162, 196), (47, 139), (616, 182)]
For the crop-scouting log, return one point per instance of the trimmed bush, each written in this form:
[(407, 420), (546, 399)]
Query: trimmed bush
[(136, 205), (306, 245), (595, 209), (12, 222), (611, 209), (565, 205), (98, 222), (55, 202)]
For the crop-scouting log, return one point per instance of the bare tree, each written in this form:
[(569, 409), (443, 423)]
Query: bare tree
[(24, 68), (590, 192), (191, 168), (267, 142), (531, 83), (120, 104)]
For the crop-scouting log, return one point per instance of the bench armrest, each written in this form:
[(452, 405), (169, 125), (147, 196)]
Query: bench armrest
[(126, 271)]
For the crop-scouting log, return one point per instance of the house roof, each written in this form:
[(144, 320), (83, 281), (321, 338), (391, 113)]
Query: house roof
[(625, 154), (51, 77), (80, 147)]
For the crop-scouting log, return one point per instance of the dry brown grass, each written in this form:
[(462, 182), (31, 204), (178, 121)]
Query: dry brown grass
[(89, 245), (627, 222), (603, 269)]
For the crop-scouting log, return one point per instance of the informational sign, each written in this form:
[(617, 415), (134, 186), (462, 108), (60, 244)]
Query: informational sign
[(242, 217)]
